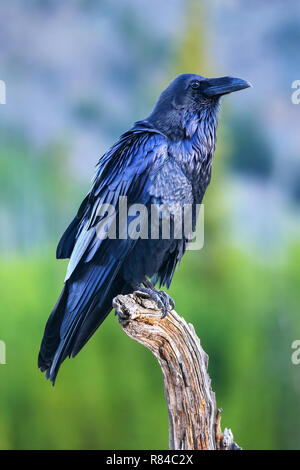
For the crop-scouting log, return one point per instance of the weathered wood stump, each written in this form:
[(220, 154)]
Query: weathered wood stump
[(194, 421)]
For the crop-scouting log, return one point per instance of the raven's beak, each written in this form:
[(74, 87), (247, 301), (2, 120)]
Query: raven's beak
[(223, 85)]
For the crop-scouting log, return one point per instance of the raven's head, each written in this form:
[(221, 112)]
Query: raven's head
[(190, 94)]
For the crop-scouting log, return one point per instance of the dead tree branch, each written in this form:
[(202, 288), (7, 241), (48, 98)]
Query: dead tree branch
[(194, 421)]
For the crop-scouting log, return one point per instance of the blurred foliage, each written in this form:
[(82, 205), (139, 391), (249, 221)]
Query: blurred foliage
[(250, 153), (190, 54), (35, 193)]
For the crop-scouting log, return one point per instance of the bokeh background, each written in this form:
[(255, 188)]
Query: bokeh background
[(79, 73)]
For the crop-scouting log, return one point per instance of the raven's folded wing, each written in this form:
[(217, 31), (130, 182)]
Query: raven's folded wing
[(127, 169), (93, 279)]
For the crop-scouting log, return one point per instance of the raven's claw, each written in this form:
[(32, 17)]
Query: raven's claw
[(163, 301)]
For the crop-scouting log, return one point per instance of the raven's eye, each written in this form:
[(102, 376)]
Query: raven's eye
[(195, 84)]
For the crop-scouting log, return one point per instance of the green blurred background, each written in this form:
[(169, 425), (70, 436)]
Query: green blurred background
[(77, 75)]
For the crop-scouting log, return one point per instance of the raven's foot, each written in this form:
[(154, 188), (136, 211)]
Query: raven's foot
[(163, 301)]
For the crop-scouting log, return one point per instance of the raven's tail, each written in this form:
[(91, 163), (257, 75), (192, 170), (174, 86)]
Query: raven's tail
[(81, 308), (51, 338)]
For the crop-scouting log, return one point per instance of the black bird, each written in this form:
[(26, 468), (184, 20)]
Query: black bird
[(164, 159)]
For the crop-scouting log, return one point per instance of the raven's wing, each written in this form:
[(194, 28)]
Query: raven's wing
[(92, 279), (127, 169), (68, 240)]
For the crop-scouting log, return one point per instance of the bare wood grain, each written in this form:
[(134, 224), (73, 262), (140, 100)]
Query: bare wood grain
[(194, 421)]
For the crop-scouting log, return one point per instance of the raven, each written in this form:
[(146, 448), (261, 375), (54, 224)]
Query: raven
[(164, 159)]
